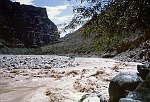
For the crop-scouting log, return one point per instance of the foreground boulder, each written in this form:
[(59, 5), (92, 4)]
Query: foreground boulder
[(121, 84), (141, 93)]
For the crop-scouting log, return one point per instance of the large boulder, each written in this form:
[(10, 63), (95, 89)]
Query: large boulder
[(121, 84), (141, 93)]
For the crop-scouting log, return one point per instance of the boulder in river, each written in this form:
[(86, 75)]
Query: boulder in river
[(121, 84)]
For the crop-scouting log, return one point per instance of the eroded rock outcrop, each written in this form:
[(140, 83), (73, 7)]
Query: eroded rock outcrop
[(27, 23)]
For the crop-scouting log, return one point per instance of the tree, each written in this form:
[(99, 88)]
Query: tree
[(112, 20), (82, 13)]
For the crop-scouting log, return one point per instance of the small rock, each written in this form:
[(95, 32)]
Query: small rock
[(103, 99), (90, 98)]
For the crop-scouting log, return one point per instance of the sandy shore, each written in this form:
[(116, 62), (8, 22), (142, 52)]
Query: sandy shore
[(25, 78)]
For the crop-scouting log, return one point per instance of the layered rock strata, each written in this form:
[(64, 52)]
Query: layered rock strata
[(27, 23)]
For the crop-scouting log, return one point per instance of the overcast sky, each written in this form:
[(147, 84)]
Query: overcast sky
[(59, 11)]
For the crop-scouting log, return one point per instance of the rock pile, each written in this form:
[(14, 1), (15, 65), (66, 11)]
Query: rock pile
[(35, 61), (139, 54)]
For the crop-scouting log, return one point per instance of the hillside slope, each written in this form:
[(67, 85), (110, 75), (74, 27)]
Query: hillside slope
[(133, 48), (139, 54), (73, 43)]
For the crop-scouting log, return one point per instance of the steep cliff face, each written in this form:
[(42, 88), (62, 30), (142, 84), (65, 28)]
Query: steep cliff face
[(27, 23)]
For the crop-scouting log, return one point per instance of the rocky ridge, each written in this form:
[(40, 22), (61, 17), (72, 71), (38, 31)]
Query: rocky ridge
[(139, 54)]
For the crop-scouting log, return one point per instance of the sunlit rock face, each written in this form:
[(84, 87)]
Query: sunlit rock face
[(27, 23)]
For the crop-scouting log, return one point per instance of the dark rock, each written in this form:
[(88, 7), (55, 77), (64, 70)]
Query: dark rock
[(141, 93), (26, 23), (83, 97), (109, 55), (143, 70), (2, 43), (143, 96), (13, 65), (121, 84)]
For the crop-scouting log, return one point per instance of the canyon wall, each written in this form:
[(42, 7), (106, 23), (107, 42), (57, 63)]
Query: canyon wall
[(25, 25)]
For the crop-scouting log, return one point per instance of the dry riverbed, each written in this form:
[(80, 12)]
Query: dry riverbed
[(51, 78)]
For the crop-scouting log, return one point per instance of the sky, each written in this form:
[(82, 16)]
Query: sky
[(59, 11)]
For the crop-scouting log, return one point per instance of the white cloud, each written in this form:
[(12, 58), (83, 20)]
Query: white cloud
[(62, 19), (54, 13), (28, 2)]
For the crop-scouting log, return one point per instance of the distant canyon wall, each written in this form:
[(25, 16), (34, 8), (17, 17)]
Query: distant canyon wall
[(25, 24)]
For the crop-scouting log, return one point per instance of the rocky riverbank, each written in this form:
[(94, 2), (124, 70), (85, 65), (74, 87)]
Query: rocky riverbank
[(51, 78), (35, 61), (140, 54)]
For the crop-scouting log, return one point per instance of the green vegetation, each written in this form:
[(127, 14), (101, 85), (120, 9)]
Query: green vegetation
[(114, 26), (113, 23), (71, 44)]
